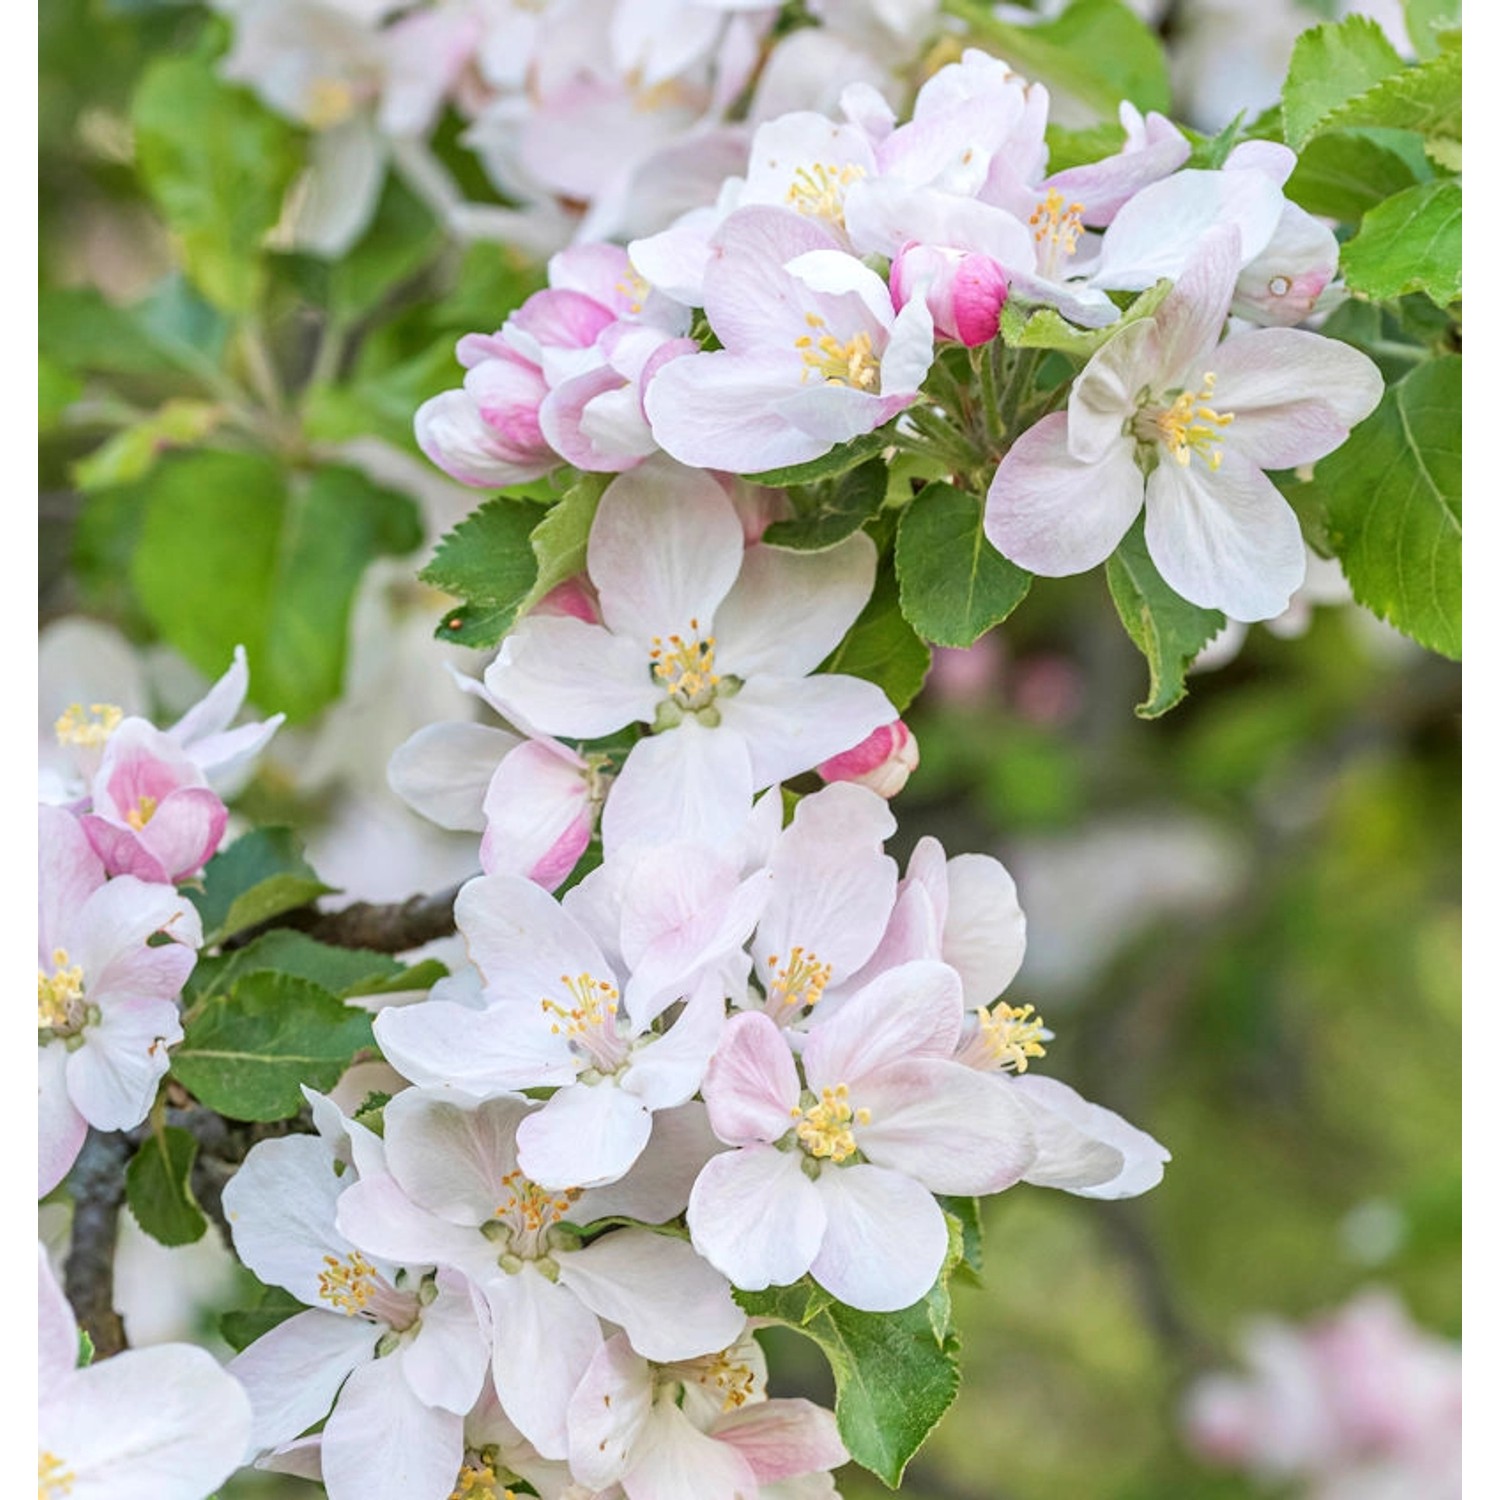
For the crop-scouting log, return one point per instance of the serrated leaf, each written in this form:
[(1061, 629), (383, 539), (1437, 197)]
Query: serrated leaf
[(833, 463), (1331, 64), (832, 511), (971, 1226), (246, 1053), (218, 164), (1345, 173), (243, 1325), (1427, 98), (343, 972), (1210, 152), (1411, 243), (1026, 326), (882, 648), (894, 1378), (1446, 153), (560, 542), (1426, 20), (487, 562), (1169, 631), (158, 1187), (260, 875), (954, 584), (1393, 494)]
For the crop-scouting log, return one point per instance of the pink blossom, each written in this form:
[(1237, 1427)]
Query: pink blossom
[(883, 761)]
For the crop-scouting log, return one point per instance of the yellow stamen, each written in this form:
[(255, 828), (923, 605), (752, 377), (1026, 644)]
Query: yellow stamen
[(800, 981), (330, 101), (91, 727), (854, 363), (634, 288), (1056, 228), (731, 1379), (52, 1477), (58, 993), (535, 1207), (824, 1129), (686, 668), (478, 1482), (142, 813), (347, 1285), (597, 1004), (818, 191), (1189, 425), (1009, 1036)]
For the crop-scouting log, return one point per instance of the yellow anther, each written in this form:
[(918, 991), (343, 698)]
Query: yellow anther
[(799, 982), (53, 1477), (330, 101), (824, 1128), (477, 1482), (142, 813), (58, 993), (1009, 1036), (818, 191), (634, 288), (1056, 226), (731, 1379), (91, 727), (853, 363), (686, 667), (532, 1207), (595, 1004), (347, 1284), (1189, 425)]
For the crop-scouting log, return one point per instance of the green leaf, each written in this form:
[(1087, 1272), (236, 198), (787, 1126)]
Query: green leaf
[(401, 239), (882, 648), (243, 1325), (1210, 152), (1074, 148), (1427, 98), (561, 539), (1331, 64), (832, 511), (1411, 243), (1345, 173), (343, 972), (1426, 19), (1024, 326), (971, 1228), (894, 1377), (158, 1187), (833, 463), (1099, 51), (57, 390), (218, 165), (260, 875), (1169, 631), (954, 584), (247, 1053), (488, 562), (133, 451), (1394, 506)]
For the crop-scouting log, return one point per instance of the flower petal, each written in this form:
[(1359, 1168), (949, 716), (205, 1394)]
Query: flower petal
[(583, 1136), (382, 1443), (886, 1238), (442, 771), (1078, 1142), (756, 1217)]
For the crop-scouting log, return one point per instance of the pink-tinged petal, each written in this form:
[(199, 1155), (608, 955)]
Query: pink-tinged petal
[(57, 1328), (560, 318), (945, 1126), (538, 814), (108, 938), (783, 1438), (667, 1300), (60, 1128), (1271, 158), (1224, 539), (122, 851), (583, 1136), (1104, 398), (750, 299), (984, 937), (179, 838), (112, 1077), (751, 1085), (831, 413), (1053, 515), (608, 1414), (756, 1217), (912, 1011), (658, 1186), (914, 931), (675, 1461), (675, 259), (1078, 1141), (376, 1215), (450, 1155), (690, 784), (445, 1364), (664, 549), (544, 1340), (69, 873), (443, 770), (1190, 320), (1105, 186), (1282, 284), (883, 761), (222, 757), (788, 610), (293, 1373), (215, 711), (886, 1239), (564, 417), (1294, 395), (454, 436), (440, 1042), (507, 390), (151, 1424), (792, 723), (382, 1443), (834, 273), (666, 1071), (567, 677)]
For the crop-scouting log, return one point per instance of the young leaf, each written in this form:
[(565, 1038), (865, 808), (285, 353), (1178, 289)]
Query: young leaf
[(561, 539), (1426, 20), (487, 561), (954, 585), (243, 1325), (833, 510), (894, 1377), (882, 648), (133, 451), (1411, 243), (248, 1052), (260, 875), (343, 972), (1024, 326), (158, 1187), (1331, 64), (833, 463), (1394, 509), (1345, 173), (1427, 99), (1169, 631)]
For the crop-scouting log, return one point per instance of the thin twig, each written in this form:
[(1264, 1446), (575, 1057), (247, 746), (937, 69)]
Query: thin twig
[(98, 1182), (391, 927)]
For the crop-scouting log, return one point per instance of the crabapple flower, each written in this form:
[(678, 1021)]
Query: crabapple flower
[(106, 996), (694, 1430), (204, 732), (835, 1176), (710, 642), (166, 1423), (883, 761), (965, 290), (814, 353), (453, 1195), (1166, 416)]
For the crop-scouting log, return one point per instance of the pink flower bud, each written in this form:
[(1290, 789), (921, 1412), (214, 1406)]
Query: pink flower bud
[(882, 762), (964, 289)]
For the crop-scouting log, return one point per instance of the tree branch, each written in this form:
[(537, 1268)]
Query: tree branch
[(98, 1183), (393, 927)]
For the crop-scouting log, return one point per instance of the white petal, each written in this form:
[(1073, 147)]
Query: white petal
[(60, 1128), (756, 1217), (445, 1363), (443, 771), (886, 1238), (608, 1414), (113, 1077), (1070, 1132), (674, 1461), (583, 1136), (450, 1155), (984, 937), (438, 1042)]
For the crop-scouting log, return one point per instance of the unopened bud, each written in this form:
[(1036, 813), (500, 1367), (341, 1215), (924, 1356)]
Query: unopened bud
[(965, 290), (881, 762)]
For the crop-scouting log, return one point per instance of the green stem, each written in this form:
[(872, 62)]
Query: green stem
[(984, 363)]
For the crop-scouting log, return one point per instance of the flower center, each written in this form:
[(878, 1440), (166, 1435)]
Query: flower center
[(1055, 227), (730, 1379), (53, 1477), (347, 1284), (686, 668), (798, 983), (824, 1127), (330, 101), (1190, 425), (1004, 1039), (590, 1023), (818, 191), (142, 813), (853, 363), (89, 728), (634, 288), (59, 994), (529, 1211), (477, 1480)]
